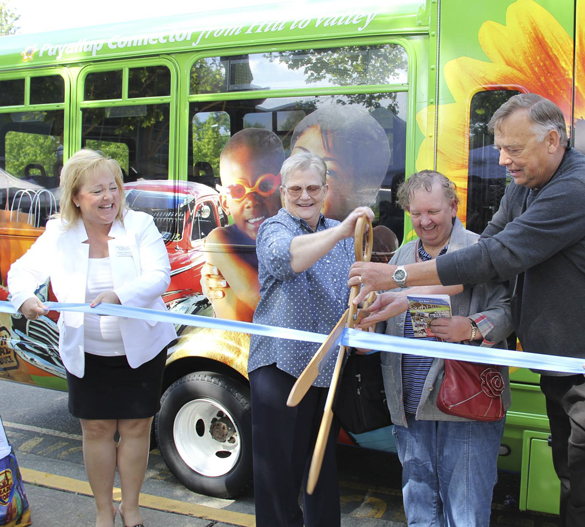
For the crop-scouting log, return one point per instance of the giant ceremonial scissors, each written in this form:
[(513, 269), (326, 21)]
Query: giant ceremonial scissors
[(363, 242)]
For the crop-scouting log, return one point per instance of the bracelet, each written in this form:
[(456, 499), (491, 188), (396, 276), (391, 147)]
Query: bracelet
[(474, 329)]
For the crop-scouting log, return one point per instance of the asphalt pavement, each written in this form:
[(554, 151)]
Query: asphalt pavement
[(47, 442)]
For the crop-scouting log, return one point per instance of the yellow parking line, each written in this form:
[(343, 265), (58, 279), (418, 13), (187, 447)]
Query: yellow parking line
[(63, 483)]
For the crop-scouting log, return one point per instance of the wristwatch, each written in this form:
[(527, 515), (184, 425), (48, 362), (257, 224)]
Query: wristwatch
[(400, 276), (474, 329)]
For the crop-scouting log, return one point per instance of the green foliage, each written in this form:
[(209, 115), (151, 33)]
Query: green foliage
[(350, 66), (24, 149), (210, 135), (8, 19), (117, 151)]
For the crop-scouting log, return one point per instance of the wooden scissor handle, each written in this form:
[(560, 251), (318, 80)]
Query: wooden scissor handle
[(363, 252)]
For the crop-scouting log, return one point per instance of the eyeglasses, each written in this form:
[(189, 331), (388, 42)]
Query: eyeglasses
[(265, 186), (296, 191)]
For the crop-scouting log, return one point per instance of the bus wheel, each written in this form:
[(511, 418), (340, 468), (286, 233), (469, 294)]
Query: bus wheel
[(204, 433)]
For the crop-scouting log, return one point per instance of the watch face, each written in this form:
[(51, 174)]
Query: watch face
[(399, 275)]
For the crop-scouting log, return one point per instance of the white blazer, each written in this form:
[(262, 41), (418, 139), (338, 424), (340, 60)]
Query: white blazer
[(140, 272)]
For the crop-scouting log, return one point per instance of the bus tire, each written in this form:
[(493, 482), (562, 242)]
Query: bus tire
[(204, 434)]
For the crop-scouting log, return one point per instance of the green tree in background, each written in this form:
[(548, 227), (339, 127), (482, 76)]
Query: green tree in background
[(210, 135), (8, 19)]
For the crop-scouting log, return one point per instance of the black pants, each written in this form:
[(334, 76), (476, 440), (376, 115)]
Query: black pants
[(283, 442), (565, 406)]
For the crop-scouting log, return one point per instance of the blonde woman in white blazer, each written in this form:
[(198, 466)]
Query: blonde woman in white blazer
[(98, 251)]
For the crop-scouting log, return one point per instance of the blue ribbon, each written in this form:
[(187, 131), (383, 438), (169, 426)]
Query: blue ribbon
[(350, 337)]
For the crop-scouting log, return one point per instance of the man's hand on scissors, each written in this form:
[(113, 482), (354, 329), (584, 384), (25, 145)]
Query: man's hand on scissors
[(386, 305), (372, 276)]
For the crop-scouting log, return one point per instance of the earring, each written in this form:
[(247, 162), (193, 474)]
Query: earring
[(77, 205)]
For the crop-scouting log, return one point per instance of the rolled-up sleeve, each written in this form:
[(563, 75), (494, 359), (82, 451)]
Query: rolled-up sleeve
[(273, 249)]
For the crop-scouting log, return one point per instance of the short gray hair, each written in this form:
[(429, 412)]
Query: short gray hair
[(302, 162), (545, 115), (425, 180)]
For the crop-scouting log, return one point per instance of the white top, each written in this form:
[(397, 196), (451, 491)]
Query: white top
[(140, 270), (102, 335)]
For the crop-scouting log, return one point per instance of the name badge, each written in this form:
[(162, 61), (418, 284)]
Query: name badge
[(123, 251)]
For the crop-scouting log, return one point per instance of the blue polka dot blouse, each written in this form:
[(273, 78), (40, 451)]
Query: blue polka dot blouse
[(312, 300)]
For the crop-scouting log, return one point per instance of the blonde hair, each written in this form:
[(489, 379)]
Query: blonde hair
[(73, 177)]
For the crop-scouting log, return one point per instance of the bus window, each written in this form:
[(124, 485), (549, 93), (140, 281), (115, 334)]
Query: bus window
[(117, 151), (12, 92), (31, 146), (103, 85), (152, 81), (358, 168), (487, 180), (136, 134), (258, 120), (287, 120), (209, 134), (349, 66), (31, 153), (49, 89), (143, 130)]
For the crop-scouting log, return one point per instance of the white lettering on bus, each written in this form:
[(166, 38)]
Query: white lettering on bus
[(302, 24), (121, 42), (331, 21)]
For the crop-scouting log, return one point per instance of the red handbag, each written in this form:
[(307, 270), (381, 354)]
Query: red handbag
[(472, 390)]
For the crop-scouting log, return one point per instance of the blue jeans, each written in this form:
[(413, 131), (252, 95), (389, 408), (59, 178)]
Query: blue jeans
[(448, 471)]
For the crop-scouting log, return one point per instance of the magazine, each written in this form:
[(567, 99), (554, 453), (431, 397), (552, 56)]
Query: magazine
[(424, 309)]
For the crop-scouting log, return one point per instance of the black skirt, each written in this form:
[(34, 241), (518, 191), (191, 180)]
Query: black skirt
[(111, 389)]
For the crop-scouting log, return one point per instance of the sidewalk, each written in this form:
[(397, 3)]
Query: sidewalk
[(54, 508)]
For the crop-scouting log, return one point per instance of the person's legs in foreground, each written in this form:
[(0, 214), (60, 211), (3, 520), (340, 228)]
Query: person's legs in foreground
[(283, 440), (449, 471), (133, 448), (99, 456), (565, 406)]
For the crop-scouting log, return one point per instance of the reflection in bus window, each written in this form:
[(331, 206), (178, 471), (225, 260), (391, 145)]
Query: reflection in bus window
[(103, 85), (283, 115), (31, 146), (154, 81), (117, 151), (205, 221), (487, 179), (349, 66), (142, 130), (12, 92), (31, 157), (48, 89), (167, 209), (209, 134)]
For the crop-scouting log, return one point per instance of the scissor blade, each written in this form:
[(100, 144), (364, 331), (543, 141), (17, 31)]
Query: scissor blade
[(311, 372), (325, 428)]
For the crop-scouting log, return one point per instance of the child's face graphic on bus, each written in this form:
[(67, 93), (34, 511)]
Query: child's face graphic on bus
[(251, 194), (340, 176)]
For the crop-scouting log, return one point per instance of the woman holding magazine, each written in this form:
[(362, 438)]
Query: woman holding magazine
[(449, 463)]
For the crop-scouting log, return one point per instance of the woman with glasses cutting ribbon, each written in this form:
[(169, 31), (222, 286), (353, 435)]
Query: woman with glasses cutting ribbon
[(302, 258)]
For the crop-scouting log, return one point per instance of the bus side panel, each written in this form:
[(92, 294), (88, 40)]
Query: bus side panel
[(488, 54)]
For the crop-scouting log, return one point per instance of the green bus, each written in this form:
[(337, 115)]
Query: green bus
[(165, 96)]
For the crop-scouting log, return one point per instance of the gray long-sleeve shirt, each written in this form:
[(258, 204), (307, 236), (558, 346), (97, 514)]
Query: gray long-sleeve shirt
[(536, 240)]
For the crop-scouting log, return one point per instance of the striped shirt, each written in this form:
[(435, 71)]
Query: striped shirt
[(414, 368)]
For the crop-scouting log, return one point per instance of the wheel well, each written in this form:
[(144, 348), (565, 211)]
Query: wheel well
[(182, 367)]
